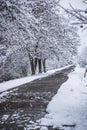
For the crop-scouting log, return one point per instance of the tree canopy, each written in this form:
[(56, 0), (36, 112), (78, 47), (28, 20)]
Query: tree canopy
[(38, 29)]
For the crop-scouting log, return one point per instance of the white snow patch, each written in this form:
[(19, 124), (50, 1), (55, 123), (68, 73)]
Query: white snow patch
[(68, 107), (5, 117), (44, 128)]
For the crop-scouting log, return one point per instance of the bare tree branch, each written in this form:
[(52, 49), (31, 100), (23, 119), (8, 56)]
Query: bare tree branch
[(85, 1), (79, 14)]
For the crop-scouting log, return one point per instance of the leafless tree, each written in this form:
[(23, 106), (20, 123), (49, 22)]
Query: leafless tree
[(79, 14)]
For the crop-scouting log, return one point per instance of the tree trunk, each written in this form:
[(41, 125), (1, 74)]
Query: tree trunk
[(36, 63), (44, 65), (32, 63), (32, 66), (39, 66)]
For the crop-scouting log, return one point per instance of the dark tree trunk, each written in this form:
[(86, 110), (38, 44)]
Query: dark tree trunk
[(44, 65), (32, 63), (32, 66), (39, 66), (36, 60)]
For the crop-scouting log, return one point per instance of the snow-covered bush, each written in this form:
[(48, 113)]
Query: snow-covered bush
[(14, 65)]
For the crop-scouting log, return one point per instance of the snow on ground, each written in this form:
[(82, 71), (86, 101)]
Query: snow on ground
[(68, 108), (17, 82)]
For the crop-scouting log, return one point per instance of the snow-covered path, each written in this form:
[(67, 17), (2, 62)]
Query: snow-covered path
[(68, 108), (21, 107), (17, 82)]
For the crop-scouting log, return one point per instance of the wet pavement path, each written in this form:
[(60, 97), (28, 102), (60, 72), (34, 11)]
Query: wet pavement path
[(22, 106)]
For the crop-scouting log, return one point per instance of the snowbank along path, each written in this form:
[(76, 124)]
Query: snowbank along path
[(68, 108), (22, 106)]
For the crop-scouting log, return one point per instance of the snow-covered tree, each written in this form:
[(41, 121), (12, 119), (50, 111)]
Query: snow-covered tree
[(38, 30)]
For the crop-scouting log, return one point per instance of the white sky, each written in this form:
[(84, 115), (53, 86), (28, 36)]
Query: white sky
[(75, 3), (78, 4)]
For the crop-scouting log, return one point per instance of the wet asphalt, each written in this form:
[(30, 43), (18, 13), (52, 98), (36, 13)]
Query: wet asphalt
[(24, 105)]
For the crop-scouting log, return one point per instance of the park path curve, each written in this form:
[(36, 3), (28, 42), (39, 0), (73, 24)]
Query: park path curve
[(24, 105)]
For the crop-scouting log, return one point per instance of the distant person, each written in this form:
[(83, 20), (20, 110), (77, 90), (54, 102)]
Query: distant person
[(85, 73), (83, 60)]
